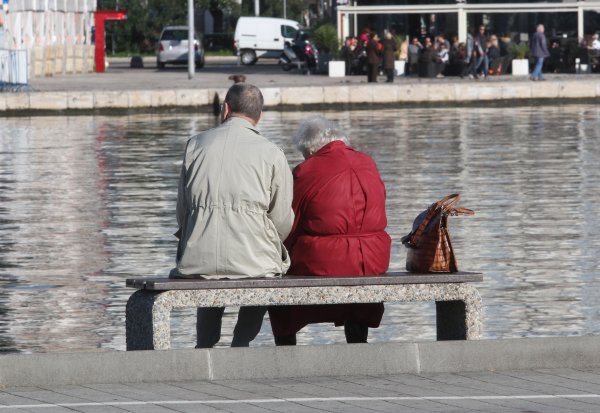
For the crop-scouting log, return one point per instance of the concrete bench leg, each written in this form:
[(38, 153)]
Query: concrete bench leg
[(451, 320), (139, 326)]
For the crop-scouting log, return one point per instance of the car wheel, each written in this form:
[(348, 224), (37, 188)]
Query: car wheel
[(200, 63), (160, 64), (248, 57)]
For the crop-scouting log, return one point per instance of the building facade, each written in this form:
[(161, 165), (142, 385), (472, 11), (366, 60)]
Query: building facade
[(54, 35)]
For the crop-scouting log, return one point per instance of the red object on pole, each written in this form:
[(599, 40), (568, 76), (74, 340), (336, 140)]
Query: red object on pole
[(101, 16)]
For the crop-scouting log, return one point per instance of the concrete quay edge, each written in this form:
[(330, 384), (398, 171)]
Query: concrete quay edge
[(52, 369), (418, 93)]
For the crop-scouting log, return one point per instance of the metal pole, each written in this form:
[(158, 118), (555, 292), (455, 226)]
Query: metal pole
[(462, 23), (191, 51), (284, 9), (355, 16), (580, 23), (256, 7)]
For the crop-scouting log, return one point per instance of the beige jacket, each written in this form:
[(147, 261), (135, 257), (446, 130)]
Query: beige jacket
[(234, 205)]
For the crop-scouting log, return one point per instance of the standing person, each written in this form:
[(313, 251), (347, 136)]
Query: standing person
[(233, 210), (430, 64), (373, 57), (480, 43), (467, 57), (414, 51), (539, 50), (389, 56), (339, 229)]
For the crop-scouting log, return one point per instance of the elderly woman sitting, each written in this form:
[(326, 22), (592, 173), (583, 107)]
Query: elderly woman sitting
[(339, 229)]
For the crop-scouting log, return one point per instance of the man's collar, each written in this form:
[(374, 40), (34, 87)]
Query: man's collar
[(237, 120)]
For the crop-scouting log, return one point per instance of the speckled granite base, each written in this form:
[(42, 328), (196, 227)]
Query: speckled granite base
[(148, 313)]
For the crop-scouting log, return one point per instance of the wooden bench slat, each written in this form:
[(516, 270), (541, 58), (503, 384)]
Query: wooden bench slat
[(391, 278)]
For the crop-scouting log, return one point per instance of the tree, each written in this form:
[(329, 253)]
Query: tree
[(274, 8), (146, 18)]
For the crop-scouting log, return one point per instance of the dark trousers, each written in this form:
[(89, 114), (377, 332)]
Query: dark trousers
[(373, 71), (355, 333), (208, 326), (390, 75)]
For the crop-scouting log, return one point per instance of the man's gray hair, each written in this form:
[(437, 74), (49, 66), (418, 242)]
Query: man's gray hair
[(316, 132), (245, 99)]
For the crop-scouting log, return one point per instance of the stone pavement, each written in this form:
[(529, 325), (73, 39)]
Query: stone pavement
[(546, 390), (122, 89), (552, 374), (266, 73)]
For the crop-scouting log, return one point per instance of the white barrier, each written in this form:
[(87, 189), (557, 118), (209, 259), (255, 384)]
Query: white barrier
[(13, 66)]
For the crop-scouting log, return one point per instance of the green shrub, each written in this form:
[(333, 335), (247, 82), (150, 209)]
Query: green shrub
[(399, 39), (326, 40), (520, 50)]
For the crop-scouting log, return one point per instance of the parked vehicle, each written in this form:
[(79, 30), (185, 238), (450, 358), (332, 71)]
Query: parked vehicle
[(262, 37), (172, 48), (300, 53)]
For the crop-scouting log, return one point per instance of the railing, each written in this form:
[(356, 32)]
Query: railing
[(13, 66)]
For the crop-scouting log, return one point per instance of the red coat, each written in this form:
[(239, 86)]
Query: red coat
[(339, 229)]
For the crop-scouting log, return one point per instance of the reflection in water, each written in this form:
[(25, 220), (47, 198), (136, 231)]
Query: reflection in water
[(86, 202)]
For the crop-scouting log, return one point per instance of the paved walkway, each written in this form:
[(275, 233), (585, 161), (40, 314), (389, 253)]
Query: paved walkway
[(266, 73), (122, 88), (556, 390)]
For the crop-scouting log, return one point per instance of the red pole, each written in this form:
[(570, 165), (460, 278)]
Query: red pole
[(100, 18), (100, 43)]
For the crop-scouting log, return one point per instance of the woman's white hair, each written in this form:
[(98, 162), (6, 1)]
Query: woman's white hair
[(316, 132)]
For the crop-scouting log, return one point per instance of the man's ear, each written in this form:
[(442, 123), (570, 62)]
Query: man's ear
[(225, 111)]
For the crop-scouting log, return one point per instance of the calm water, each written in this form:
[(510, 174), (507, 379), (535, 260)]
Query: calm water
[(86, 202)]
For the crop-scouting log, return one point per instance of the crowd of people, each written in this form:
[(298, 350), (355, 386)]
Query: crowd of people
[(368, 53), (481, 55)]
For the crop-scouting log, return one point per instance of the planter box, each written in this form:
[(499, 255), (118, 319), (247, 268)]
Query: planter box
[(399, 67), (337, 68), (520, 67)]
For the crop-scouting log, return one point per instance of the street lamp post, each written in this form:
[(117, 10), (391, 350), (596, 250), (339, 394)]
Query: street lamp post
[(191, 51)]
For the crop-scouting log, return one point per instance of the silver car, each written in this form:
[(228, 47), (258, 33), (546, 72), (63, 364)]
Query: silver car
[(173, 47)]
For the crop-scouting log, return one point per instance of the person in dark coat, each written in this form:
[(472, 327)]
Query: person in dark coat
[(339, 229), (539, 50), (373, 57), (389, 56), (493, 55), (430, 64)]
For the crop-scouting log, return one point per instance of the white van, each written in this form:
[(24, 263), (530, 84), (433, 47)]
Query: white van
[(258, 37)]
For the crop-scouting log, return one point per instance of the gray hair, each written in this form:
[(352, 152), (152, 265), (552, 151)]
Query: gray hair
[(316, 132), (245, 99)]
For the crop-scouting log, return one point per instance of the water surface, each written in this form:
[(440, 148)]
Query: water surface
[(88, 201)]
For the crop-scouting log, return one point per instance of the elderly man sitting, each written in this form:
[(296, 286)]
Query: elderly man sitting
[(233, 209)]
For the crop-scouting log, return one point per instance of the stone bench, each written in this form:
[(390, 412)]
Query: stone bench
[(148, 313)]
